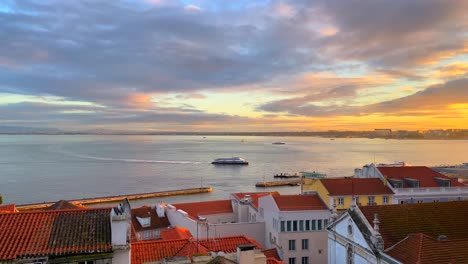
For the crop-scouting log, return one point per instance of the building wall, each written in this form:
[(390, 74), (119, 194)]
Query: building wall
[(317, 250), (215, 229), (311, 185), (362, 199)]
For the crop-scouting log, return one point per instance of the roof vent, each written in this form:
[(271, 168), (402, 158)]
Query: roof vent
[(160, 210), (442, 238)]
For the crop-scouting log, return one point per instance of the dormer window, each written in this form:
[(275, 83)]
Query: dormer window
[(396, 183), (442, 182), (144, 222), (411, 183)]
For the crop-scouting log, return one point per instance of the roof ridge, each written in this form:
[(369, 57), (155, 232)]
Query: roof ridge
[(61, 210), (159, 241)]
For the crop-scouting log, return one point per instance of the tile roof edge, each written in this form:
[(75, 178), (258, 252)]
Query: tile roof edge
[(62, 210)]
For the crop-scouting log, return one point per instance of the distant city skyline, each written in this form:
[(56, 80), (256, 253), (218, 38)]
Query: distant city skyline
[(234, 66)]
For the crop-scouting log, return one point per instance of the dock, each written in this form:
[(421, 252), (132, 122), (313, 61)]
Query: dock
[(118, 198), (278, 183)]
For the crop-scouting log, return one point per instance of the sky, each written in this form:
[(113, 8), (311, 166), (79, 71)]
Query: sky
[(234, 66)]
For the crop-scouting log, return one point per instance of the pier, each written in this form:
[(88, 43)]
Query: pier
[(278, 183), (118, 198)]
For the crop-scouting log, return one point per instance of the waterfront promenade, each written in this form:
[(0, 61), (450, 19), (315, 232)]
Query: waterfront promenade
[(118, 198)]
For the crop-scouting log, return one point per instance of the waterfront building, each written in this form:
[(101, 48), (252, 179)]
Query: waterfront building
[(88, 235), (415, 184), (347, 191), (295, 226), (8, 208), (148, 222), (424, 233)]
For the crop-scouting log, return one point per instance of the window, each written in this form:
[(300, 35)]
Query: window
[(288, 225), (313, 224), (356, 199), (307, 225), (294, 225), (325, 222), (147, 234), (292, 261), (340, 201), (261, 211), (292, 244), (319, 224), (371, 200), (301, 225), (156, 233), (305, 260), (385, 199), (283, 226), (305, 243)]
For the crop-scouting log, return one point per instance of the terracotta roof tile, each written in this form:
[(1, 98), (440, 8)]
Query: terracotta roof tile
[(176, 233), (422, 249), (151, 251), (228, 244), (205, 208), (8, 208), (274, 261), (299, 202), (62, 232), (432, 219), (254, 196), (271, 253), (355, 186), (423, 174), (144, 212)]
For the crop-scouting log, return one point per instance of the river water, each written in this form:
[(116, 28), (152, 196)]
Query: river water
[(36, 168)]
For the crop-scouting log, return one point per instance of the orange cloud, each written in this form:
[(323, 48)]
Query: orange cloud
[(452, 70), (139, 100)]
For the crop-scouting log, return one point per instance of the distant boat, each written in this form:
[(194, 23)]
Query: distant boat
[(278, 143), (286, 175), (313, 175), (230, 161)]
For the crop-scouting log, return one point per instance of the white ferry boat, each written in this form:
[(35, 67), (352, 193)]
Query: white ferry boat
[(232, 161)]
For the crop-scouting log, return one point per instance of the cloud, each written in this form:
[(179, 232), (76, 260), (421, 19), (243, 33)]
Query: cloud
[(321, 57), (192, 8), (430, 101)]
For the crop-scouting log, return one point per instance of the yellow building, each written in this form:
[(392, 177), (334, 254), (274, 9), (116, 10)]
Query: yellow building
[(342, 191)]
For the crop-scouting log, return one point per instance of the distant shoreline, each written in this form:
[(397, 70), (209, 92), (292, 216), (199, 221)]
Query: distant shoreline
[(327, 134)]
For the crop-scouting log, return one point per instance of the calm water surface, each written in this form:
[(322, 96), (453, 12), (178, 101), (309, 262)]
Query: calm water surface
[(47, 168)]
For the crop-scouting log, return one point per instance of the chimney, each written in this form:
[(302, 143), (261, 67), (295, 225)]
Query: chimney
[(160, 210), (120, 224), (120, 217), (246, 254)]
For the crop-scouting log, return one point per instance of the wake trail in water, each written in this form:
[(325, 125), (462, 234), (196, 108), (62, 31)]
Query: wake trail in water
[(131, 160)]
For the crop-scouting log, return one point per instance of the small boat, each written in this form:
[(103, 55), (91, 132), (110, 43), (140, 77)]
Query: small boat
[(286, 175), (278, 143), (230, 161)]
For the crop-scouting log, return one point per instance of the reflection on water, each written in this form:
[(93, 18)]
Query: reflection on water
[(43, 168)]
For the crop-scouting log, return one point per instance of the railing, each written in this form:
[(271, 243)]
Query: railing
[(446, 190)]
